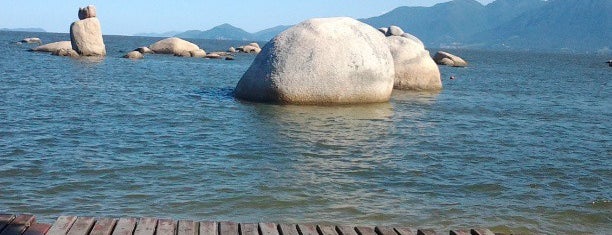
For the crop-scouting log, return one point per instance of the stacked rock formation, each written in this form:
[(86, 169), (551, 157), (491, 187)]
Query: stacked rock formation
[(414, 67), (86, 33)]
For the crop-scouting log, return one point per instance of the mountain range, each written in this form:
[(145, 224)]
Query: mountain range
[(575, 25)]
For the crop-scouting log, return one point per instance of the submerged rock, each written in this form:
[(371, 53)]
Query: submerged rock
[(449, 59), (305, 65), (54, 46)]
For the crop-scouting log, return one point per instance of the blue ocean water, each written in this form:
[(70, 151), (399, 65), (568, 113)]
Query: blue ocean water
[(519, 142)]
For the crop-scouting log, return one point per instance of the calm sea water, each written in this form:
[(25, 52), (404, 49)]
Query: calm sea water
[(519, 142)]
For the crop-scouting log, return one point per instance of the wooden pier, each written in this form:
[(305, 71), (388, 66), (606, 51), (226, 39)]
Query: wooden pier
[(73, 225)]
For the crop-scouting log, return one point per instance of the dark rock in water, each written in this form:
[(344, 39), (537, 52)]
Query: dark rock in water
[(144, 50), (609, 63), (229, 58), (133, 55)]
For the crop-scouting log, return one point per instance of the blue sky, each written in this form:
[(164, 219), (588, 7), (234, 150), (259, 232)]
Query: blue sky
[(127, 17)]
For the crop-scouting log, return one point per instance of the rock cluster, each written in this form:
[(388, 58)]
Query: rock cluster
[(414, 67), (445, 58), (86, 33), (177, 47), (306, 65), (250, 48)]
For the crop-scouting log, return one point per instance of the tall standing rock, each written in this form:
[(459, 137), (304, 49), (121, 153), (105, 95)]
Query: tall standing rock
[(86, 34)]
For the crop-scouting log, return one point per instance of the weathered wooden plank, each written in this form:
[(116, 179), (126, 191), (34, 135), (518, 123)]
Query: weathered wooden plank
[(82, 226), (125, 226), (404, 231), (103, 226), (362, 230), (308, 229), (166, 227), (61, 225), (459, 232), (248, 229), (426, 232), (228, 228), (187, 227), (37, 229), (209, 228), (268, 229), (327, 230), (18, 225), (381, 230), (5, 220), (481, 231), (346, 230), (146, 226), (288, 229)]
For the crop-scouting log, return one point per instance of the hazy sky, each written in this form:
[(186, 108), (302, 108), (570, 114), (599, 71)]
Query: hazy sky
[(127, 17)]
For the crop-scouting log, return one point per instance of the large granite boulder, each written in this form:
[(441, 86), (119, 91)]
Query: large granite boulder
[(414, 67), (86, 33), (54, 46), (449, 59), (174, 45), (321, 61)]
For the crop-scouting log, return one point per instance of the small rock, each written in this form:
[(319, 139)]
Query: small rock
[(134, 55), (54, 46), (383, 30), (87, 12), (213, 56), (394, 31), (457, 61), (232, 50), (32, 41), (229, 58), (254, 44), (144, 50)]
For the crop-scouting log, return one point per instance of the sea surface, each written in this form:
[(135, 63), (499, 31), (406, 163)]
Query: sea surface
[(519, 142)]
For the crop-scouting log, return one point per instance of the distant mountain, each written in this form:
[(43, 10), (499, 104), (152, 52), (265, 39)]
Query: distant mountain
[(221, 32), (581, 25), (447, 22), (35, 30), (166, 34), (267, 34)]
